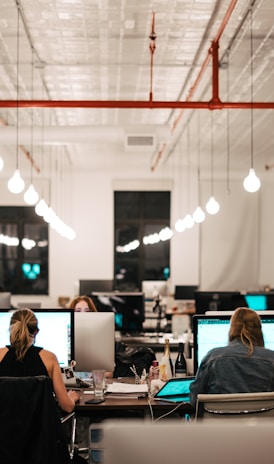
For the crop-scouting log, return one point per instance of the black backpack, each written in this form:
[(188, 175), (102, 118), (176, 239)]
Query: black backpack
[(125, 356)]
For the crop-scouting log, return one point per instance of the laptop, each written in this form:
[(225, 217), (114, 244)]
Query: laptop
[(175, 390)]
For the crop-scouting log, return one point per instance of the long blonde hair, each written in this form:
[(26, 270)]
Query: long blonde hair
[(246, 324), (23, 328)]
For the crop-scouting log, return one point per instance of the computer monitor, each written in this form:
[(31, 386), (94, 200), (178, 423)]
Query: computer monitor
[(32, 305), (185, 292), (94, 341), (211, 331), (56, 332), (86, 287), (128, 308), (154, 288), (259, 301), (5, 300), (217, 301)]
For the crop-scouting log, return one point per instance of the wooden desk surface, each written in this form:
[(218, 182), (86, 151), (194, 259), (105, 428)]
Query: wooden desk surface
[(125, 403)]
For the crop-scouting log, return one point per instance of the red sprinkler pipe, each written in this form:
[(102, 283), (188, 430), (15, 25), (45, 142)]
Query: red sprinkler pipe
[(215, 98), (152, 47), (133, 104)]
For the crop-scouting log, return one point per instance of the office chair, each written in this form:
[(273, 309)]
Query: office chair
[(235, 405), (31, 427)]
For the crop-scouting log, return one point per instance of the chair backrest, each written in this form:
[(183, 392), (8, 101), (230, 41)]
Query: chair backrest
[(235, 405), (31, 429), (175, 441)]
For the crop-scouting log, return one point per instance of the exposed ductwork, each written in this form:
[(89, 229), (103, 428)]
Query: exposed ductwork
[(137, 138), (142, 139)]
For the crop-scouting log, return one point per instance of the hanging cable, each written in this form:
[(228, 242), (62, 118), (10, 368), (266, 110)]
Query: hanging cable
[(16, 184), (228, 131), (251, 183)]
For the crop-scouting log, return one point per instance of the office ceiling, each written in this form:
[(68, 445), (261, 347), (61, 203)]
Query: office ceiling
[(101, 97)]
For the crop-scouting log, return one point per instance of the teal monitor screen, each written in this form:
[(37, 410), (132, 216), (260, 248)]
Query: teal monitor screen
[(256, 301)]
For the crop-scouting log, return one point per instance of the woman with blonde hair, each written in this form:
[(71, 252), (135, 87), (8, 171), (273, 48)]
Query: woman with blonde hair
[(22, 359), (243, 366)]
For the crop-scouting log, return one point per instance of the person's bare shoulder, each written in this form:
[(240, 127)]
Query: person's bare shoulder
[(3, 351), (48, 356)]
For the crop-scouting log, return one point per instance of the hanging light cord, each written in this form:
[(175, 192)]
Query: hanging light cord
[(198, 157), (32, 117), (228, 131), (212, 168), (17, 85), (251, 85), (188, 180)]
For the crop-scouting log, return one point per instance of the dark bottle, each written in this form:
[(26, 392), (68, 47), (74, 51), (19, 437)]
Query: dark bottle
[(180, 363)]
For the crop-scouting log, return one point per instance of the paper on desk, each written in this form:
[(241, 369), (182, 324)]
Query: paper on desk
[(118, 387)]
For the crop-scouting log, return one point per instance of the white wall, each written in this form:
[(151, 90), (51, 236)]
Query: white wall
[(245, 226)]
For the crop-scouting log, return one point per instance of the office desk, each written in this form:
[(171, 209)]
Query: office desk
[(127, 407), (91, 415)]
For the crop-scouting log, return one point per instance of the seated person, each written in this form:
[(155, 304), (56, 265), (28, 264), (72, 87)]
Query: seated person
[(243, 366), (22, 359), (125, 356), (82, 304)]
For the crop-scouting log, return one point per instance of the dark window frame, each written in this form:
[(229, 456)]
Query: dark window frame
[(13, 279), (145, 211)]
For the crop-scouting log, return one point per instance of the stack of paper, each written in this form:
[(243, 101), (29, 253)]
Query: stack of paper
[(127, 389)]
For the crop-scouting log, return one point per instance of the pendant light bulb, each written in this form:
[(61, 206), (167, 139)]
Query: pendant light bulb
[(31, 196), (41, 207), (1, 163), (198, 215), (212, 206), (16, 184), (180, 225), (252, 183), (189, 222)]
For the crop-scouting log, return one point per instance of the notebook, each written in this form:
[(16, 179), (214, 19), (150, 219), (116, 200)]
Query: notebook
[(175, 390)]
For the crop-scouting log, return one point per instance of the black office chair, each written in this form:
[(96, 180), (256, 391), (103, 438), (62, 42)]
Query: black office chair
[(31, 427)]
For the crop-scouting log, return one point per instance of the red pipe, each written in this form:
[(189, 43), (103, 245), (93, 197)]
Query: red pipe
[(215, 76), (152, 48), (215, 98), (128, 104)]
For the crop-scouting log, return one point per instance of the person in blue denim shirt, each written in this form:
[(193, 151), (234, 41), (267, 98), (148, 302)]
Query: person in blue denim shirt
[(243, 366)]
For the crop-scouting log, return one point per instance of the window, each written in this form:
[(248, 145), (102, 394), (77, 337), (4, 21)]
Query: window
[(139, 214), (23, 251)]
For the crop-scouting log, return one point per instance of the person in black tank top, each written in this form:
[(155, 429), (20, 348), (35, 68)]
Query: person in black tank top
[(22, 359), (30, 365)]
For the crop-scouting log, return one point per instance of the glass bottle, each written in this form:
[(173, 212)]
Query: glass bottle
[(154, 370), (167, 357), (167, 348), (180, 363)]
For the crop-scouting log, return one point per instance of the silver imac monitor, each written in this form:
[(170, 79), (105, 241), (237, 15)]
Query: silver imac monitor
[(154, 288), (5, 298), (94, 337)]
